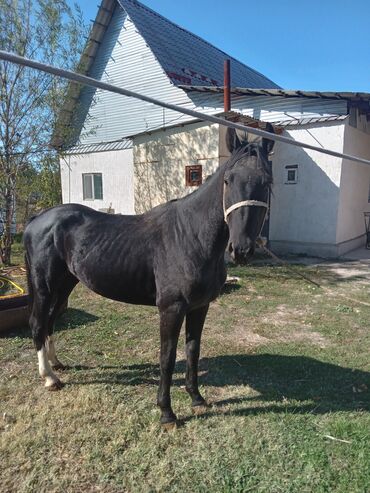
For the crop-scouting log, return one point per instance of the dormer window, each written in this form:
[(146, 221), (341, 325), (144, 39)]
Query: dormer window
[(291, 174)]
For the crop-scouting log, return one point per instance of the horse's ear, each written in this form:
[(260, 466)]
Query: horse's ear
[(268, 144), (232, 140)]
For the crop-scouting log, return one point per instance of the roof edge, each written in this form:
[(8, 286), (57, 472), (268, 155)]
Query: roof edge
[(348, 96), (232, 116), (114, 145), (121, 2), (96, 34)]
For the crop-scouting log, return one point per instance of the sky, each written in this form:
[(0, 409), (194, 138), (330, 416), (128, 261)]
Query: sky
[(299, 44)]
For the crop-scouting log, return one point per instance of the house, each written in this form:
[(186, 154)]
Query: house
[(123, 155), (133, 47)]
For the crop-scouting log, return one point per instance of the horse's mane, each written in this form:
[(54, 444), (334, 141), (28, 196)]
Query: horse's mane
[(249, 149)]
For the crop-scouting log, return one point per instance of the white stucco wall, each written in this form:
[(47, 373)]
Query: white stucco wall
[(160, 159), (117, 174), (322, 214), (354, 190), (304, 215)]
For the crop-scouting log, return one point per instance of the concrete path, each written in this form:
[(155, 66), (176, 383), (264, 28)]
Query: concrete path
[(360, 254), (355, 264)]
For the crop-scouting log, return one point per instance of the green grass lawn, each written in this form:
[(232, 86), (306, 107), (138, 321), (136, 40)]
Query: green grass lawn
[(285, 366)]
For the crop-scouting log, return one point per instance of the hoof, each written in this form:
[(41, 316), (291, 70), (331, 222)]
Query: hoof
[(59, 366), (172, 425), (169, 422), (55, 386), (200, 409)]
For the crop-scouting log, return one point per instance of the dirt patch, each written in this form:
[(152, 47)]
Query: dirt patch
[(286, 325), (304, 335), (357, 272), (283, 324), (291, 326), (245, 336)]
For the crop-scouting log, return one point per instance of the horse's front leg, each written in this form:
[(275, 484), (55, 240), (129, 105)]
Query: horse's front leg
[(171, 319), (194, 326)]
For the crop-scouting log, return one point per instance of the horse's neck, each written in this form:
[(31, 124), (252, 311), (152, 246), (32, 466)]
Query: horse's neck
[(205, 210)]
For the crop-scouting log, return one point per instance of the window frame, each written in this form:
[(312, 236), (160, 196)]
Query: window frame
[(92, 181), (190, 181), (288, 169)]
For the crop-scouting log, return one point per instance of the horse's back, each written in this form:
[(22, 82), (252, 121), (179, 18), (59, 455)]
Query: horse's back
[(110, 254), (66, 214), (65, 218)]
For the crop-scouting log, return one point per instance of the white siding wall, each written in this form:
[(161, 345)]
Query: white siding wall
[(304, 215), (124, 59), (160, 160), (354, 190), (117, 170)]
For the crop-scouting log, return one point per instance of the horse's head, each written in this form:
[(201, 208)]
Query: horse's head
[(247, 180)]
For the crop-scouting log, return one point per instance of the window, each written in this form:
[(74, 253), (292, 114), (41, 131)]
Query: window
[(291, 174), (193, 175), (92, 184)]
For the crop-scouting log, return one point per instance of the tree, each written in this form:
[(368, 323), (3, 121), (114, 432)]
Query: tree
[(53, 32), (26, 195)]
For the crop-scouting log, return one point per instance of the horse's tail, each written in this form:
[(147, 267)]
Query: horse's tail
[(30, 219), (29, 282), (26, 244)]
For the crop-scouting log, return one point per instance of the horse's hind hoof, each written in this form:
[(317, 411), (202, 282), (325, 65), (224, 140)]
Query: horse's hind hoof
[(58, 385), (201, 409), (169, 422), (170, 426)]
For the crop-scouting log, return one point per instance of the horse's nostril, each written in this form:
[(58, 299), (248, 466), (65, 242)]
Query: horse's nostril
[(231, 249), (242, 254)]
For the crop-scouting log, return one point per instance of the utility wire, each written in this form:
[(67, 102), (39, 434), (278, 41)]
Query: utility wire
[(89, 81)]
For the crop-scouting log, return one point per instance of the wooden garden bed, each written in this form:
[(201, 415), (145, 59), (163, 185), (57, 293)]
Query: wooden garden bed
[(13, 312)]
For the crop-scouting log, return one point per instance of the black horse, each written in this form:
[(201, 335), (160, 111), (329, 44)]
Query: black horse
[(171, 257)]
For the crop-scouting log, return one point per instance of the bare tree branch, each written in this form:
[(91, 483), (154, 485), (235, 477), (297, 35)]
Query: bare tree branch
[(50, 30)]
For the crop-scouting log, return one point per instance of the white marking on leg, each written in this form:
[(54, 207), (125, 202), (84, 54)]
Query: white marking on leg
[(45, 369), (50, 347)]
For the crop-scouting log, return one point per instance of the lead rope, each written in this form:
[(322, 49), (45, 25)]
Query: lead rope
[(261, 244)]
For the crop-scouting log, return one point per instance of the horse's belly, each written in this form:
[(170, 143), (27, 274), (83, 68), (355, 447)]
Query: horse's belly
[(136, 287), (128, 296)]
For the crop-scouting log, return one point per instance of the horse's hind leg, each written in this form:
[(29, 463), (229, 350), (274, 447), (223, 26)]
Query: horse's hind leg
[(66, 285), (194, 326), (52, 356), (39, 322)]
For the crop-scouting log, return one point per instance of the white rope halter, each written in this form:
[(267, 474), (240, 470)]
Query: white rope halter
[(243, 203)]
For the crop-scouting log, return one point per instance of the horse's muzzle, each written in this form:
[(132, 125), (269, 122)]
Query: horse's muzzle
[(241, 255)]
